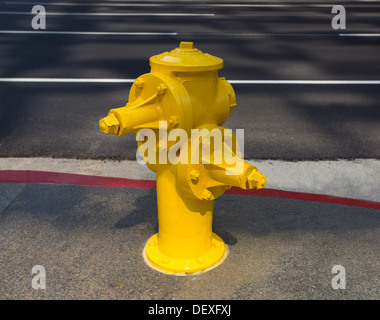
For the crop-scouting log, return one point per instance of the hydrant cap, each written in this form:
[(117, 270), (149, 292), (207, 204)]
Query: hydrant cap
[(186, 58)]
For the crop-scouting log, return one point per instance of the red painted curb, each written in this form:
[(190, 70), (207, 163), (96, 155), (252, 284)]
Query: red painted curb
[(28, 176), (274, 193)]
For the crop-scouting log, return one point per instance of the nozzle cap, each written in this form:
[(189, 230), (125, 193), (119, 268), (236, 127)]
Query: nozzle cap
[(109, 124), (256, 180)]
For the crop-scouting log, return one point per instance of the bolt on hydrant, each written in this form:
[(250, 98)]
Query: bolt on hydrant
[(176, 111)]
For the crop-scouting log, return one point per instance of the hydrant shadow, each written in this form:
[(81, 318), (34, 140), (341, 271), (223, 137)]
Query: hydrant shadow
[(144, 212), (227, 237)]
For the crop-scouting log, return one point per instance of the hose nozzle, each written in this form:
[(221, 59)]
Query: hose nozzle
[(109, 124), (256, 180)]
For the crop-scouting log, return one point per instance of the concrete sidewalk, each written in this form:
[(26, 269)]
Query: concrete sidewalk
[(355, 179), (90, 241)]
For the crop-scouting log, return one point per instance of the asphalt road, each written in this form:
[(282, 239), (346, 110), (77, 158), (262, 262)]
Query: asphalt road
[(258, 41)]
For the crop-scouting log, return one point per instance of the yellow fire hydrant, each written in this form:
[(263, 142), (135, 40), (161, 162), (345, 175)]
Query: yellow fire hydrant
[(180, 105)]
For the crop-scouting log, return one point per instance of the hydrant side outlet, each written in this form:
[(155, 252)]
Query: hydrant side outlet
[(183, 94)]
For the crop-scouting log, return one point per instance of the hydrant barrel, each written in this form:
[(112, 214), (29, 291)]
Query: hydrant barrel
[(185, 242)]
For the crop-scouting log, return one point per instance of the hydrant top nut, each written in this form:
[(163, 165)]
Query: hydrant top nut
[(186, 58), (186, 45)]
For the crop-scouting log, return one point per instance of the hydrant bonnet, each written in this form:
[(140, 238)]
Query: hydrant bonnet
[(186, 58)]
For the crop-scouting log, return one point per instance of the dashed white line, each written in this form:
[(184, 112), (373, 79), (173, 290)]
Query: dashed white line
[(79, 4), (67, 80), (191, 34), (118, 14), (359, 34), (304, 81), (89, 33), (195, 3), (100, 80)]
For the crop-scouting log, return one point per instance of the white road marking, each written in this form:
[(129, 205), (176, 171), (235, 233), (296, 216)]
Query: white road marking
[(304, 81), (87, 4), (67, 80), (100, 80), (112, 14), (245, 34), (195, 3), (359, 34), (191, 34), (90, 33)]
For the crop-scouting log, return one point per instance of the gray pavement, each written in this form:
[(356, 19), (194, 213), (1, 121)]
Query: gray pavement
[(279, 122), (90, 240)]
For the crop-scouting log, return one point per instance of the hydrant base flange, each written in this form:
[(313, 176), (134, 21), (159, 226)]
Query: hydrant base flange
[(156, 259)]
